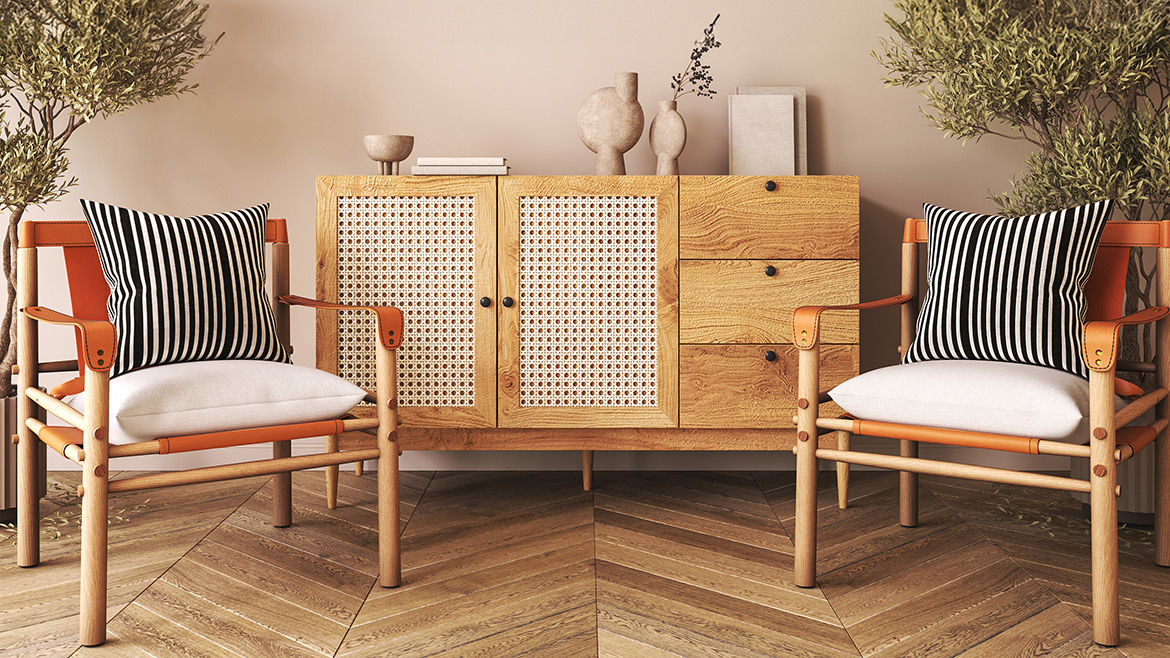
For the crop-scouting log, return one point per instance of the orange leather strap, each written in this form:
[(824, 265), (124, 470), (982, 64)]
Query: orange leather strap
[(1136, 438), (97, 336), (70, 387), (1101, 336), (190, 442), (75, 233), (1004, 442), (1115, 234), (59, 438), (389, 319), (806, 320)]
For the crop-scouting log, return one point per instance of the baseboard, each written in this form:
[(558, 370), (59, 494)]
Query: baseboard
[(499, 460)]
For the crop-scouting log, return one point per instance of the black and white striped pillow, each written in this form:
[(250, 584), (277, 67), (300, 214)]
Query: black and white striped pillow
[(185, 289), (1008, 289)]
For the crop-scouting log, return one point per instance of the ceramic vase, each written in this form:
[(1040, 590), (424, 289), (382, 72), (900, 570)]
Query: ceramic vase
[(610, 122), (668, 136)]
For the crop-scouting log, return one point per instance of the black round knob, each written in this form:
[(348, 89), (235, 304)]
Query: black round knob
[(507, 302), (770, 355), (770, 270), (770, 186), (485, 301)]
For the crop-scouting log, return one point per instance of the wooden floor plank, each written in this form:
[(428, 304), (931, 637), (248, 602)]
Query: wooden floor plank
[(305, 626), (671, 616), (415, 596), (272, 579), (711, 576), (933, 606), (977, 624), (716, 522), (339, 577), (423, 632), (208, 618), (1056, 630)]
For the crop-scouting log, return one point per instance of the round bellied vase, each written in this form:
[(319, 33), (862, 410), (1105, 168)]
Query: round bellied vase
[(610, 123), (668, 136)]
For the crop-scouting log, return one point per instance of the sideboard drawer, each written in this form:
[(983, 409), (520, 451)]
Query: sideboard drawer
[(737, 386), (736, 301), (812, 217)]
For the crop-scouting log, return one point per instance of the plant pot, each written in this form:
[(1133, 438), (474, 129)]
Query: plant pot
[(8, 461), (668, 136)]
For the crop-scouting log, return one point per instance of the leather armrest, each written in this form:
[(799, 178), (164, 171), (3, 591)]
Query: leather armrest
[(806, 320), (387, 318), (1101, 336), (97, 336)]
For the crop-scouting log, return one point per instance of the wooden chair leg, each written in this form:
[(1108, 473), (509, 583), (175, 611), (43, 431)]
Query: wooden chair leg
[(1103, 509), (94, 510), (1106, 613), (908, 488), (28, 500), (1162, 500), (359, 468), (808, 379), (587, 469), (389, 528), (843, 472), (331, 473), (281, 488)]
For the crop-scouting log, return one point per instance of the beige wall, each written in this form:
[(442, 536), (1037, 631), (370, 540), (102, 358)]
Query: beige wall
[(294, 84)]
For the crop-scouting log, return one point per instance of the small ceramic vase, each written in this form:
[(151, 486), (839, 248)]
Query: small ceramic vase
[(388, 151), (668, 136), (610, 122)]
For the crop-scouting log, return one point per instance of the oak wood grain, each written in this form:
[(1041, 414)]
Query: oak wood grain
[(735, 301), (736, 386), (737, 217)]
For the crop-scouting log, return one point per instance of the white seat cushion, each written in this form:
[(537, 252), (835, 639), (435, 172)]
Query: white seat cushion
[(214, 396), (980, 396)]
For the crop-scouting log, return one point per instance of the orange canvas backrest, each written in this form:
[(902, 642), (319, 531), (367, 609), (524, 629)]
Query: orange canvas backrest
[(88, 290)]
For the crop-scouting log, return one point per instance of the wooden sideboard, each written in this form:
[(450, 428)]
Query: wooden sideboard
[(590, 312)]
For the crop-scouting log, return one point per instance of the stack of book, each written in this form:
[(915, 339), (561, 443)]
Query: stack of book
[(460, 167)]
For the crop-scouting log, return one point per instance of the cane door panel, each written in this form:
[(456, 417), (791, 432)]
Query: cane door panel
[(427, 246), (592, 337)]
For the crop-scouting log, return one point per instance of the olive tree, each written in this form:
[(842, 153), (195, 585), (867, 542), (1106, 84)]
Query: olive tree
[(1085, 81), (64, 63)]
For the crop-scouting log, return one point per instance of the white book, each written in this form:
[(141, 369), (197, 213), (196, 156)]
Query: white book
[(423, 170), (761, 136), (460, 162)]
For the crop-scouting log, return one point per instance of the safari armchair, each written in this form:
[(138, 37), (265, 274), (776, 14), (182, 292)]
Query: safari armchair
[(85, 437), (1110, 436)]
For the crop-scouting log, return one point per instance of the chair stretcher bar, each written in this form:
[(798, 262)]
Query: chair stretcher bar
[(1007, 443), (56, 407), (961, 471), (242, 470), (1131, 411)]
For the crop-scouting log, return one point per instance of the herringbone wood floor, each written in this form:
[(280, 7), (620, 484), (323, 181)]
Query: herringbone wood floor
[(646, 565)]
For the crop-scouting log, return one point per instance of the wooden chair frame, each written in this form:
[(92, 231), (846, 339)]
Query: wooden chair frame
[(83, 439), (1111, 443)]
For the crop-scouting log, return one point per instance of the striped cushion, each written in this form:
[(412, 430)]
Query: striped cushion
[(1008, 289), (185, 289)]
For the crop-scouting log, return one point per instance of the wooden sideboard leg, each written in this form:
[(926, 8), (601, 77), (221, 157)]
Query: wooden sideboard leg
[(587, 469), (843, 472), (331, 473)]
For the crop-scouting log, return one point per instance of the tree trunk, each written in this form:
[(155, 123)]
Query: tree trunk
[(8, 325)]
